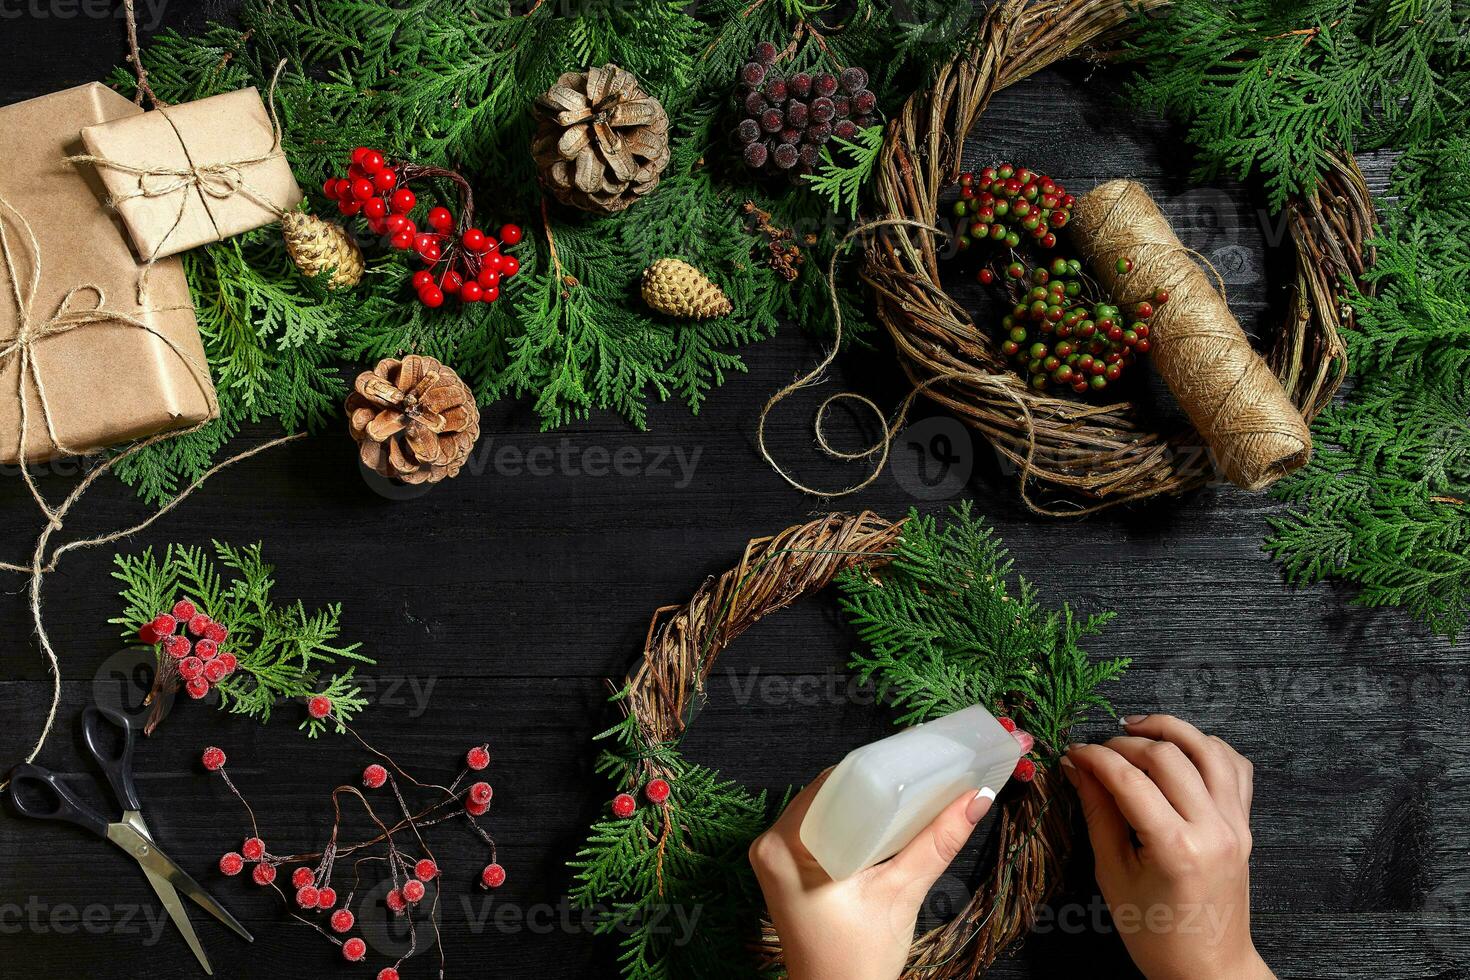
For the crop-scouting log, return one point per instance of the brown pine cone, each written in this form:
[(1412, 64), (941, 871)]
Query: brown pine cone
[(414, 420), (601, 141)]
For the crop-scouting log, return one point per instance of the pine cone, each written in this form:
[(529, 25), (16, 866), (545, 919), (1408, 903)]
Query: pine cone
[(316, 245), (601, 141), (677, 289), (414, 420)]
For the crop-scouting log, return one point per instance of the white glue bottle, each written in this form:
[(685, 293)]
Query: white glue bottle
[(882, 794)]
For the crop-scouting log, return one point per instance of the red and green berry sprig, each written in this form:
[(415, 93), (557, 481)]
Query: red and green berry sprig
[(460, 259), (1062, 331), (412, 870), (1007, 205)]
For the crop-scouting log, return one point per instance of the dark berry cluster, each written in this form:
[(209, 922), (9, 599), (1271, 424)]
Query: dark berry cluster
[(192, 642), (461, 260), (787, 119), (1009, 204), (1059, 332)]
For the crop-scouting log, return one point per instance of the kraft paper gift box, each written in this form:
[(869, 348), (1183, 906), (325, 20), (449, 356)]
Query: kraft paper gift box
[(185, 175), (113, 366)]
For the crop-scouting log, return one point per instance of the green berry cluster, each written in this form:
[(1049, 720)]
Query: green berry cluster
[(1008, 204), (1060, 332)]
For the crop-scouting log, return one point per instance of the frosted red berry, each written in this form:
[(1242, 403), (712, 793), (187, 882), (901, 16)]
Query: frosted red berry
[(326, 898), (413, 890), (177, 646), (228, 661), (264, 874), (215, 671), (216, 632), (425, 870), (395, 901), (354, 949), (1025, 771), (197, 688), (148, 635), (306, 896), (301, 877), (477, 758), (374, 776), (253, 848), (342, 920), (623, 805), (493, 876), (198, 623), (213, 758), (205, 649), (1006, 723), (231, 863), (657, 790), (476, 809), (319, 706), (481, 793), (190, 668), (387, 973), (184, 609)]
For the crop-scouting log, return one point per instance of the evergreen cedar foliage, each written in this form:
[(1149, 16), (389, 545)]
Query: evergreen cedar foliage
[(285, 653), (452, 84), (942, 629), (1268, 87)]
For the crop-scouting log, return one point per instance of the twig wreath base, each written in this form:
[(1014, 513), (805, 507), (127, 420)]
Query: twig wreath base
[(1091, 455), (684, 642)]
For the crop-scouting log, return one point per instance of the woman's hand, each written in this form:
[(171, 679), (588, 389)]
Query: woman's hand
[(1168, 809), (859, 928)]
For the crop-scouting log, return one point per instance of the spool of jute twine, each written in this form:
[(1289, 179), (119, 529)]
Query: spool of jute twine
[(1253, 431)]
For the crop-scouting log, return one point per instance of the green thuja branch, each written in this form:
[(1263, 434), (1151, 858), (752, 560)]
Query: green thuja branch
[(285, 653), (451, 84), (842, 183)]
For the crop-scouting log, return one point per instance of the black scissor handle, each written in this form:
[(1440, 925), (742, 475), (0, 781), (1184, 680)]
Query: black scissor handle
[(116, 762), (41, 795)]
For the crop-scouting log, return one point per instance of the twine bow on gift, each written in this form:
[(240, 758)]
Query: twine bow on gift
[(219, 180)]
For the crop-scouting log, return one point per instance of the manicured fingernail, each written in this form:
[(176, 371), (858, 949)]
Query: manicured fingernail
[(1131, 719), (1069, 770), (980, 805)]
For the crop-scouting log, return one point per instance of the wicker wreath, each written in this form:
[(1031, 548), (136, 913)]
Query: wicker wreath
[(1035, 820), (1093, 455)]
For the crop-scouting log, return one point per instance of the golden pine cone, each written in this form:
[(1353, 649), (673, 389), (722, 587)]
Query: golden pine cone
[(676, 288), (601, 141), (316, 245), (414, 420)]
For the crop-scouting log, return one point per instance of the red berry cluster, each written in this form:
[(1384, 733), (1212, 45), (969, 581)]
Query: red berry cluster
[(311, 879), (1025, 770), (624, 805), (1007, 204), (460, 260), (192, 642), (1061, 331)]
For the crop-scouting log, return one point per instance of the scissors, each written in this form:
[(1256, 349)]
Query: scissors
[(40, 794)]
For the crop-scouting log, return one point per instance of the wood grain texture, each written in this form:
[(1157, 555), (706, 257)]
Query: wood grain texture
[(542, 586)]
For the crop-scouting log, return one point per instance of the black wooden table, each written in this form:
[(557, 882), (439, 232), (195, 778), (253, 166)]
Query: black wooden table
[(497, 605)]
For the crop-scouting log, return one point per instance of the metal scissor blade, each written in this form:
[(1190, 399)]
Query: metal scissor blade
[(142, 849), (180, 879)]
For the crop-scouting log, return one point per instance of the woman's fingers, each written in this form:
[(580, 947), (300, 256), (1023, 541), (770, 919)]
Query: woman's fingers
[(928, 855), (1216, 761), (1138, 798), (1109, 832), (1173, 773)]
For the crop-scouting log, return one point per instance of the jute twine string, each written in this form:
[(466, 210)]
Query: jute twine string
[(882, 447), (680, 652), (218, 180), (32, 330), (1231, 396)]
